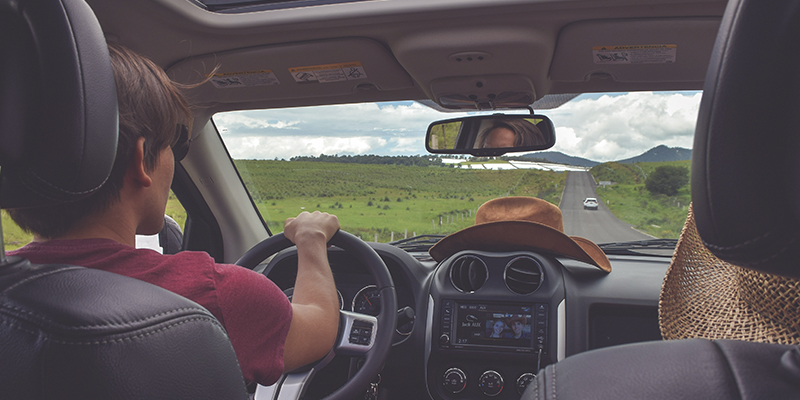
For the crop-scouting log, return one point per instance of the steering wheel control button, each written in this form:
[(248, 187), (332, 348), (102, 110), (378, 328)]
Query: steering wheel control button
[(491, 383), (524, 380), (455, 380), (361, 333)]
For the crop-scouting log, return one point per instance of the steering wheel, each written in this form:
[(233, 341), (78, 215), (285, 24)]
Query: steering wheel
[(293, 385)]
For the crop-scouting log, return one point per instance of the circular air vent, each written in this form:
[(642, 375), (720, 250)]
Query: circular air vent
[(523, 275), (468, 273)]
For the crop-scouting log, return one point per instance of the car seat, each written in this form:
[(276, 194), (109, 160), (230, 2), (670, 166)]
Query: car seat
[(744, 192), (68, 332)]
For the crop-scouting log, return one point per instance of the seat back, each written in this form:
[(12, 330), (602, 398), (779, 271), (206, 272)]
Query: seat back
[(68, 332), (745, 164)]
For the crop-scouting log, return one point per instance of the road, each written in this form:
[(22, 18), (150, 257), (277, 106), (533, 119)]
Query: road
[(599, 226)]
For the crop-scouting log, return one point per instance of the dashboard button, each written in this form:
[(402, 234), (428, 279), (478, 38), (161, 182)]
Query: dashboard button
[(455, 380), (491, 383), (524, 380)]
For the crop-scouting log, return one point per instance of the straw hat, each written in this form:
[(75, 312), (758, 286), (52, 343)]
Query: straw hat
[(520, 223), (705, 297)]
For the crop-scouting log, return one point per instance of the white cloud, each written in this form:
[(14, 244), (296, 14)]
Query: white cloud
[(260, 147), (605, 128)]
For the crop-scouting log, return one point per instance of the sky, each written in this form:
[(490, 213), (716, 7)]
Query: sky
[(599, 127)]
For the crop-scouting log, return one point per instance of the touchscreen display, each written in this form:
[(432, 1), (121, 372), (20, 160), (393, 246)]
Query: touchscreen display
[(493, 324)]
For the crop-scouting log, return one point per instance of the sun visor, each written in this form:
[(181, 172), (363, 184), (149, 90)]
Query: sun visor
[(640, 50), (300, 70)]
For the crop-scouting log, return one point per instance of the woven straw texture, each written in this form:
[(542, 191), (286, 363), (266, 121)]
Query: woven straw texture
[(705, 297)]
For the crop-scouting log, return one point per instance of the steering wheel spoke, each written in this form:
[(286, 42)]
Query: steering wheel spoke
[(358, 334)]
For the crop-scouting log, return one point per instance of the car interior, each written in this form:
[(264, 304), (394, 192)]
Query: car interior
[(71, 332)]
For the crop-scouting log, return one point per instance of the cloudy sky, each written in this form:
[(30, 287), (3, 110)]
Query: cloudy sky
[(598, 127)]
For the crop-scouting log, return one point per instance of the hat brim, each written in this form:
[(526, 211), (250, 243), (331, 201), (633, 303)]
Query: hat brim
[(520, 235), (705, 297)]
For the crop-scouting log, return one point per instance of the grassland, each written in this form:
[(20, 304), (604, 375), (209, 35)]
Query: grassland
[(656, 214), (381, 200)]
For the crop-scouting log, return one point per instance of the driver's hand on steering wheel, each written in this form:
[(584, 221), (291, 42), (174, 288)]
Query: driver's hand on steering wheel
[(311, 226)]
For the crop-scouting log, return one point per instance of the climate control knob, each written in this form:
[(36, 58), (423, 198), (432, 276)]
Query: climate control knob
[(455, 380), (524, 380), (491, 383)]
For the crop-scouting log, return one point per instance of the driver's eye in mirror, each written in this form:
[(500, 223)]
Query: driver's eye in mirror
[(491, 135), (510, 133)]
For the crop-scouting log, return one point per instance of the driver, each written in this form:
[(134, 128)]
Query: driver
[(269, 334), (510, 133)]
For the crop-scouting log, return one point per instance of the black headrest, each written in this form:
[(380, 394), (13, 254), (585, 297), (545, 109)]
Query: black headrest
[(58, 104), (746, 157)]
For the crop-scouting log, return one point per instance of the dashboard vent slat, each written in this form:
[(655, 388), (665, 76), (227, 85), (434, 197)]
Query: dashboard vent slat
[(468, 273), (524, 275)]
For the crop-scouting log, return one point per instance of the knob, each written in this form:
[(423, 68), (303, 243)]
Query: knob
[(491, 383), (455, 380), (524, 380), (444, 339)]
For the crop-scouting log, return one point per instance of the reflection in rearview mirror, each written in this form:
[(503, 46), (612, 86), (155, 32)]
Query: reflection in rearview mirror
[(491, 135)]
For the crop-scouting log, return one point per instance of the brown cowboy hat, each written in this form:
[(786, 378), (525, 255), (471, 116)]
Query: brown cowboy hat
[(705, 297), (520, 223)]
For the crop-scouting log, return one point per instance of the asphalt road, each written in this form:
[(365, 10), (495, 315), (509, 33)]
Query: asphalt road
[(599, 226)]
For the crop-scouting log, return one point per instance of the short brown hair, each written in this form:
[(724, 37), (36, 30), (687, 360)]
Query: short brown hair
[(150, 106)]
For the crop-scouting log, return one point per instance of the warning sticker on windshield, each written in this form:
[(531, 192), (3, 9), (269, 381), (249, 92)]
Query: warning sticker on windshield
[(639, 54), (228, 80), (329, 72)]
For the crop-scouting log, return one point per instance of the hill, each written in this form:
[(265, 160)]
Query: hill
[(660, 154), (558, 157)]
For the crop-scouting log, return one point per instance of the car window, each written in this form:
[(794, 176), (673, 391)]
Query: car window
[(367, 164)]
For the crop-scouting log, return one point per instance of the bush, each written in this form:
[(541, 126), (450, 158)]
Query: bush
[(667, 180)]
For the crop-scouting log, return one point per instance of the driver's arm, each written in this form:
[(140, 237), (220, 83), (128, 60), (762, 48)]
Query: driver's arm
[(315, 304)]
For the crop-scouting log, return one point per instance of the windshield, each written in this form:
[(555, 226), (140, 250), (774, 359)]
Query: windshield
[(367, 164)]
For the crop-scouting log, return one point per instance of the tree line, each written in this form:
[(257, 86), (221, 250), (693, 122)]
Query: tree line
[(420, 161)]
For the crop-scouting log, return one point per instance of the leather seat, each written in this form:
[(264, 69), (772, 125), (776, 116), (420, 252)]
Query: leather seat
[(68, 332), (745, 169)]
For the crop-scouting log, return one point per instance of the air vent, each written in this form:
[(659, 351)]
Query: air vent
[(468, 273), (523, 275)]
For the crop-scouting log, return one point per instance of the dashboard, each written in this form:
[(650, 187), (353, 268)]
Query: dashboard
[(480, 324)]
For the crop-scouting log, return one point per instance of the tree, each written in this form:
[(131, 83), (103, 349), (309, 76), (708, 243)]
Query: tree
[(667, 180)]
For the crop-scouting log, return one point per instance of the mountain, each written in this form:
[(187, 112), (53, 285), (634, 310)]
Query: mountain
[(661, 153), (558, 157)]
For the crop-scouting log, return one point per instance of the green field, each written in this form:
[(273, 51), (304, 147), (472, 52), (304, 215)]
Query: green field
[(383, 200), (656, 214)]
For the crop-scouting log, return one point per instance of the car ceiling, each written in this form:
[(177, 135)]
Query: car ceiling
[(410, 49)]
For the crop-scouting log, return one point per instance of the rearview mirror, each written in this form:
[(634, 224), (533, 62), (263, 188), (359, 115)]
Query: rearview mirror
[(490, 135)]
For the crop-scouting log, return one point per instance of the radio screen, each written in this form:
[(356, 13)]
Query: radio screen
[(507, 325)]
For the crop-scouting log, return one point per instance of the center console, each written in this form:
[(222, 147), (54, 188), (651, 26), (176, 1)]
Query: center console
[(490, 341)]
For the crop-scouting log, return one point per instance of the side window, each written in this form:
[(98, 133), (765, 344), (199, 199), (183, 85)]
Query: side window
[(170, 239), (13, 236)]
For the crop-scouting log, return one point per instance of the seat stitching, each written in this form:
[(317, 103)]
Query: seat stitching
[(120, 340), (39, 275), (119, 324)]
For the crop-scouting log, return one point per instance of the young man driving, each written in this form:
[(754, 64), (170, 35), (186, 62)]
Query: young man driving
[(269, 334)]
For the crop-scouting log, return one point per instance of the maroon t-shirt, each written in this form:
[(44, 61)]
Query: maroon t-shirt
[(254, 311)]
